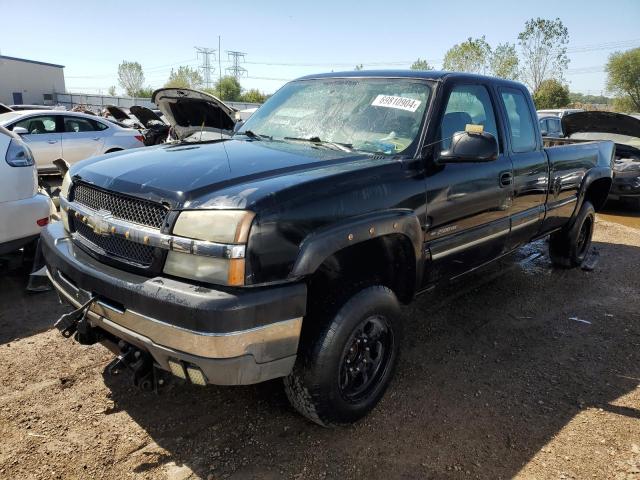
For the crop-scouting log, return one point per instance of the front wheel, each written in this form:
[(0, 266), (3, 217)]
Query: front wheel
[(569, 248), (344, 367)]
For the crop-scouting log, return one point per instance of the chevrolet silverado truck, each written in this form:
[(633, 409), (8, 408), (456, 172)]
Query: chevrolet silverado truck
[(287, 250)]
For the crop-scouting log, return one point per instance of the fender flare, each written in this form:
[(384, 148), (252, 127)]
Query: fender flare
[(321, 244), (595, 173)]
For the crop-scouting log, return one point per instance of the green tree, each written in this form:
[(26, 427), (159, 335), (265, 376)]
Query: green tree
[(227, 88), (144, 92), (624, 104), (130, 77), (359, 67), (420, 64), (543, 51), (623, 77), (253, 96), (503, 61), (551, 94), (469, 56), (184, 77), (112, 90)]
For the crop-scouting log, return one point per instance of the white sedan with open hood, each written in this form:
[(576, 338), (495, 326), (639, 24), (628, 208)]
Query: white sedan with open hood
[(194, 116)]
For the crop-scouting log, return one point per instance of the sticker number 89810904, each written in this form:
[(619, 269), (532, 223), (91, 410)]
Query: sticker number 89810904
[(402, 103)]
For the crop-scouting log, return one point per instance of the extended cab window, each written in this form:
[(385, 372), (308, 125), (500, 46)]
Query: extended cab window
[(467, 105), (38, 125), (365, 114), (523, 134)]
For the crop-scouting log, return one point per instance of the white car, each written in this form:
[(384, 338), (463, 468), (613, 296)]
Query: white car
[(23, 210), (71, 136)]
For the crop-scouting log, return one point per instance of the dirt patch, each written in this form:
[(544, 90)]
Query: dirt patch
[(516, 371)]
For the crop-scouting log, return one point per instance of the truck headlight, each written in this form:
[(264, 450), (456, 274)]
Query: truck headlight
[(229, 227), (64, 193)]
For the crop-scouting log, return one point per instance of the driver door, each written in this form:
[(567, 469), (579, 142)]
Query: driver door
[(468, 204)]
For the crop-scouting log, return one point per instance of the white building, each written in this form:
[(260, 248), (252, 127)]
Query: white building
[(29, 82)]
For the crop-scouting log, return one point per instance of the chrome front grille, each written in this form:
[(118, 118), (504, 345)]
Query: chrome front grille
[(140, 212), (117, 247), (126, 208)]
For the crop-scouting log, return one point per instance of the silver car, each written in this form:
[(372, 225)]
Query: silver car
[(71, 136)]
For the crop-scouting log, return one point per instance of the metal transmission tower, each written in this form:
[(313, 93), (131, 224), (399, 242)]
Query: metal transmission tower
[(207, 67), (236, 70)]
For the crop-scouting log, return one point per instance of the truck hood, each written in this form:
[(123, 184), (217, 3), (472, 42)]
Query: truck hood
[(189, 111), (192, 175), (601, 122)]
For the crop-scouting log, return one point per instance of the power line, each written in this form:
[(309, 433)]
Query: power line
[(207, 68), (235, 69)]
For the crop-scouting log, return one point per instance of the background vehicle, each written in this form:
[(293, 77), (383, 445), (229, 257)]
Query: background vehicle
[(194, 115), (21, 107), (287, 250), (558, 112), (550, 126), (155, 129), (622, 129), (71, 136), (23, 210)]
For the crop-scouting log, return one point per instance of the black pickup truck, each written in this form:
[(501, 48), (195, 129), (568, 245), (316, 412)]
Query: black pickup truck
[(287, 250)]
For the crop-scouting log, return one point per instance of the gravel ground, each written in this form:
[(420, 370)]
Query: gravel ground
[(516, 371)]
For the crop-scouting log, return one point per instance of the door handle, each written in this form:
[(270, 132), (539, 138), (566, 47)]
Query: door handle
[(96, 138), (506, 179), (52, 141)]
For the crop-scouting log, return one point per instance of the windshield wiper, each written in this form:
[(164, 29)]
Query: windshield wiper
[(255, 136), (345, 147)]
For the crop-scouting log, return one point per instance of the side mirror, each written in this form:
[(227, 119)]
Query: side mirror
[(20, 130), (469, 147)]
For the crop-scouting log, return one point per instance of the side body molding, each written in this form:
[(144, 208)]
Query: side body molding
[(320, 245)]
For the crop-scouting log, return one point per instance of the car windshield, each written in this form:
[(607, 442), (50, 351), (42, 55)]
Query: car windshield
[(373, 115)]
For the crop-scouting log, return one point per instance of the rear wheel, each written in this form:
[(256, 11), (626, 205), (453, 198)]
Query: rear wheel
[(569, 248), (345, 365)]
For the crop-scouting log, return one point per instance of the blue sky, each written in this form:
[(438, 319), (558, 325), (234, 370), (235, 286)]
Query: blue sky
[(287, 39)]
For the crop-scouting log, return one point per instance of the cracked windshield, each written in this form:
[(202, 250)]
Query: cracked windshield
[(368, 115)]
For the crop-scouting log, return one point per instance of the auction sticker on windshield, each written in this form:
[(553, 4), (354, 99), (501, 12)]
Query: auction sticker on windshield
[(402, 103)]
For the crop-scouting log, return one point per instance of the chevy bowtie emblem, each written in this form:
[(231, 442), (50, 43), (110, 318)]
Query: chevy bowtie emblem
[(100, 222)]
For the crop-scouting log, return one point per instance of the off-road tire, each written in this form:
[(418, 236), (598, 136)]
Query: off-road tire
[(315, 386), (568, 248)]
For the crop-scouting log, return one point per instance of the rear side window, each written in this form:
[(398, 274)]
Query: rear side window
[(467, 104), (38, 125), (553, 125), (79, 124), (521, 126)]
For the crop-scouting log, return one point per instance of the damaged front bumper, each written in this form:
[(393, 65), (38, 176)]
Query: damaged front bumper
[(233, 337)]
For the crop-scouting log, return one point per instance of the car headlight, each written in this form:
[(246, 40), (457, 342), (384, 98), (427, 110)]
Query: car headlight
[(64, 193), (227, 227), (18, 154)]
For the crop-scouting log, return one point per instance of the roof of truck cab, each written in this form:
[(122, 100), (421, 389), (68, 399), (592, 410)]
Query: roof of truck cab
[(422, 74)]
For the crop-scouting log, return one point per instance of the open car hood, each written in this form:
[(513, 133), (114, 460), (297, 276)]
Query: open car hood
[(601, 122), (146, 116), (117, 113), (189, 111)]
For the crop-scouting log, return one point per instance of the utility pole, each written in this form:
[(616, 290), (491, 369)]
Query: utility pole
[(235, 69), (207, 67)]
